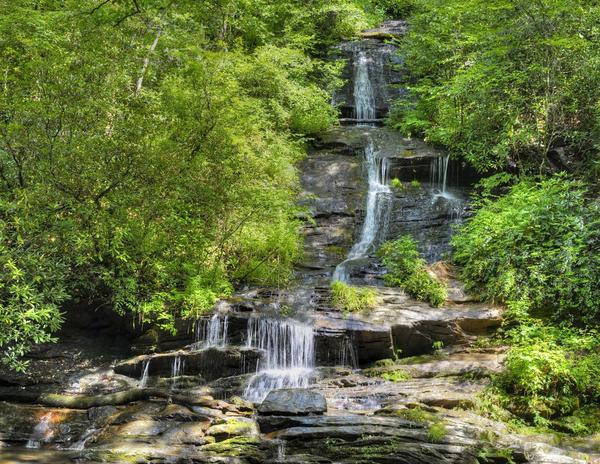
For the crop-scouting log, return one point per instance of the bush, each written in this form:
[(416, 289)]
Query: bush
[(399, 375), (550, 372), (536, 250), (405, 268), (349, 299)]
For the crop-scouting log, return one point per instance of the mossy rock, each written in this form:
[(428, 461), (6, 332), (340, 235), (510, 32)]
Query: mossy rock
[(236, 447), (233, 428)]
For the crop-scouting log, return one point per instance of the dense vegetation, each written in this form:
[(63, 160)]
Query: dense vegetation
[(405, 268), (144, 146), (507, 84), (347, 298), (512, 87)]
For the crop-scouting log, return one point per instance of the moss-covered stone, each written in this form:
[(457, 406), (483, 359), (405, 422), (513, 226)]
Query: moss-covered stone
[(233, 427), (235, 447)]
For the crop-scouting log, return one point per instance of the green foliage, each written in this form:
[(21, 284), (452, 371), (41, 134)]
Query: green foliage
[(405, 268), (148, 151), (550, 371), (350, 299), (398, 375), (535, 249), (415, 184), (397, 184), (437, 432), (505, 84), (416, 414), (31, 284)]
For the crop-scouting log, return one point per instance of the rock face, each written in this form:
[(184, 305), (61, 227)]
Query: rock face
[(293, 402)]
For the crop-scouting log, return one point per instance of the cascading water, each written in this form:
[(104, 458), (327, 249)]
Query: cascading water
[(378, 195), (288, 359), (439, 173), (145, 371), (377, 208), (177, 367), (211, 333), (364, 98), (42, 432), (439, 182)]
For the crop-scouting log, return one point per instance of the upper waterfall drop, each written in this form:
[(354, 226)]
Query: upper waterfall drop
[(364, 97), (377, 207)]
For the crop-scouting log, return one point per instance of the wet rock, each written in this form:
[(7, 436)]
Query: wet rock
[(20, 423), (369, 341), (209, 363), (176, 412), (189, 433), (142, 428), (207, 412), (293, 402), (472, 364), (387, 30)]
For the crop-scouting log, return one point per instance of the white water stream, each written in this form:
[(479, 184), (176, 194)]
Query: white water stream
[(288, 355), (378, 195)]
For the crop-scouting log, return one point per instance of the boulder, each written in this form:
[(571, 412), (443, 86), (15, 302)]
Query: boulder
[(293, 402)]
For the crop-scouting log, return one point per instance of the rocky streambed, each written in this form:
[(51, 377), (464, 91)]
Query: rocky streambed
[(279, 375)]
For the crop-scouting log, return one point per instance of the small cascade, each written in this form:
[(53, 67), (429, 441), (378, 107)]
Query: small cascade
[(42, 432), (281, 451), (377, 208), (289, 355), (439, 181), (211, 333), (79, 445), (348, 356), (439, 173), (364, 98), (177, 367), (145, 371)]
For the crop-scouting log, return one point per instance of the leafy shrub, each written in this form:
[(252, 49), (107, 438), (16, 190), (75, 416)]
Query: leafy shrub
[(405, 268), (349, 299), (398, 375), (550, 371), (397, 184), (536, 249)]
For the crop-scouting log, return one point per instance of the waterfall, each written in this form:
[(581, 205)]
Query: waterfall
[(378, 202), (288, 355), (439, 173), (41, 432), (177, 367), (211, 333), (145, 370), (364, 97)]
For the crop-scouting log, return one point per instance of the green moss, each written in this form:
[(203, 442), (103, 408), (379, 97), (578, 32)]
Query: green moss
[(338, 251), (415, 184), (437, 432), (349, 299), (398, 375), (233, 428), (235, 447), (384, 363), (416, 414)]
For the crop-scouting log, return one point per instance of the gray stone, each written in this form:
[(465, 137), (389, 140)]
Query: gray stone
[(293, 402)]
